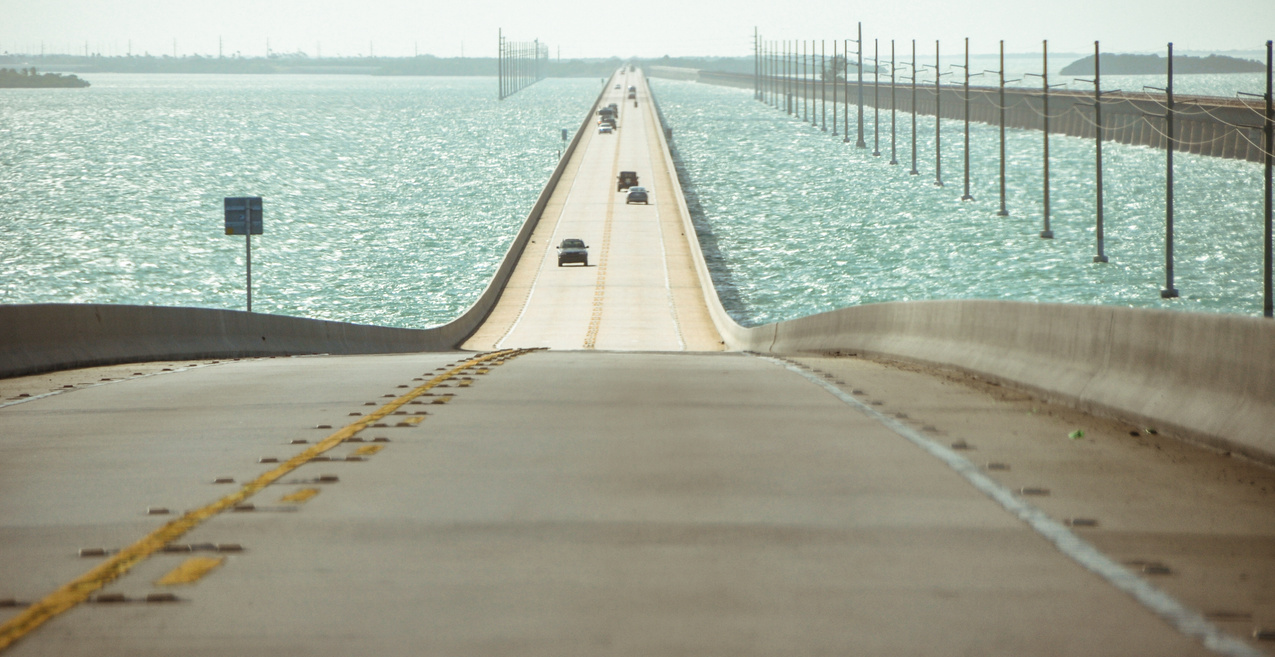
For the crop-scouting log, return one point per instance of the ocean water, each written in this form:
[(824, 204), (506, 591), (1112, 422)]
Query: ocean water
[(391, 201), (795, 222), (387, 200)]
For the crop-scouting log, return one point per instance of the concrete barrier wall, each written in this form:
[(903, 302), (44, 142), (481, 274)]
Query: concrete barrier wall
[(1208, 378), (46, 337), (1203, 377)]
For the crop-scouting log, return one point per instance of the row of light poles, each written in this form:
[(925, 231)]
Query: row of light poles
[(784, 77), (520, 64)]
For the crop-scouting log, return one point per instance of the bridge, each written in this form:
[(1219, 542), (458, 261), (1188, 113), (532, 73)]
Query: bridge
[(598, 460)]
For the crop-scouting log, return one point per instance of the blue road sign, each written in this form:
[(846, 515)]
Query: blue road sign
[(240, 212)]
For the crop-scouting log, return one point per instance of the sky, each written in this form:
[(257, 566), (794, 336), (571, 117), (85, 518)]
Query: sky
[(652, 28)]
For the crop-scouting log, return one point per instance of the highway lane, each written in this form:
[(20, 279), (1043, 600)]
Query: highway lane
[(568, 502), (613, 495), (640, 290)]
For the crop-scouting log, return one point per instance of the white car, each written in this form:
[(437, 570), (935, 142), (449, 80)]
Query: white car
[(605, 129)]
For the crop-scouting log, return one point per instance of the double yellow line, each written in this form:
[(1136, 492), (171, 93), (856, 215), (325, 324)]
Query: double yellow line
[(79, 590), (599, 288)]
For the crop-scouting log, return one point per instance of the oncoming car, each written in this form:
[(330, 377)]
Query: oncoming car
[(636, 195), (573, 250), (605, 129)]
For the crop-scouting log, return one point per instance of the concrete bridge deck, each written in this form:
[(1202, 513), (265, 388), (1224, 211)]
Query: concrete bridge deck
[(623, 499), (640, 289)]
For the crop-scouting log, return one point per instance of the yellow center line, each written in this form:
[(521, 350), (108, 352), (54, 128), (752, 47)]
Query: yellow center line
[(190, 571), (301, 496), (599, 290), (79, 589), (368, 450)]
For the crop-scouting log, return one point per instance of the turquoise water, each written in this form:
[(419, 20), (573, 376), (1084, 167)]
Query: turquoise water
[(392, 200), (795, 222), (387, 200)]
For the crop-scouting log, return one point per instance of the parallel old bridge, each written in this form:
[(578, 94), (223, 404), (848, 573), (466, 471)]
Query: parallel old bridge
[(955, 477)]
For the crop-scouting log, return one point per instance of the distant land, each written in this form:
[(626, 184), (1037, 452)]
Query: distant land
[(1154, 64), (300, 63), (29, 78)]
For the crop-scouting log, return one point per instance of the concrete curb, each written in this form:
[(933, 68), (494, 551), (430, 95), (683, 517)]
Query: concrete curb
[(1207, 378), (38, 338)]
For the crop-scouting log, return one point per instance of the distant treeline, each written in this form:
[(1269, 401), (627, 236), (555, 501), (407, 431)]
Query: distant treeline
[(422, 65), (1155, 64), (29, 78)]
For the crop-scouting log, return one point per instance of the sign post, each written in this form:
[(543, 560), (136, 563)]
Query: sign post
[(243, 217)]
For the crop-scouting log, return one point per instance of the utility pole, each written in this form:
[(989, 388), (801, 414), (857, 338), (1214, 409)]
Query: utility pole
[(833, 68), (967, 196), (860, 143), (1269, 157), (938, 119), (1269, 129), (876, 98), (914, 172), (1097, 119), (893, 158), (1169, 291), (1004, 211), (1046, 232), (802, 102), (845, 97), (823, 84), (787, 80), (814, 109)]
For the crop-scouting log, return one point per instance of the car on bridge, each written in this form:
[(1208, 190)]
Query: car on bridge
[(626, 180), (605, 129), (573, 250), (636, 195)]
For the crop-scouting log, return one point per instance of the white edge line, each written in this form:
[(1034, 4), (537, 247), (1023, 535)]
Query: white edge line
[(668, 287), (659, 224), (54, 393), (535, 280), (1182, 618)]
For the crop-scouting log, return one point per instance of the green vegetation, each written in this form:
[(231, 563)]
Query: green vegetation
[(29, 78), (1157, 65)]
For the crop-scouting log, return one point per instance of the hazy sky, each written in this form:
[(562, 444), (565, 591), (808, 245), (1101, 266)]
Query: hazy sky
[(650, 28)]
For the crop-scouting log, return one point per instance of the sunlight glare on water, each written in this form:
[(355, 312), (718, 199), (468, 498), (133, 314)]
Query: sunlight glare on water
[(795, 222), (387, 200)]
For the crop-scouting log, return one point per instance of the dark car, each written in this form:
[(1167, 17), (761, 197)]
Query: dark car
[(573, 250), (625, 180), (636, 195)]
